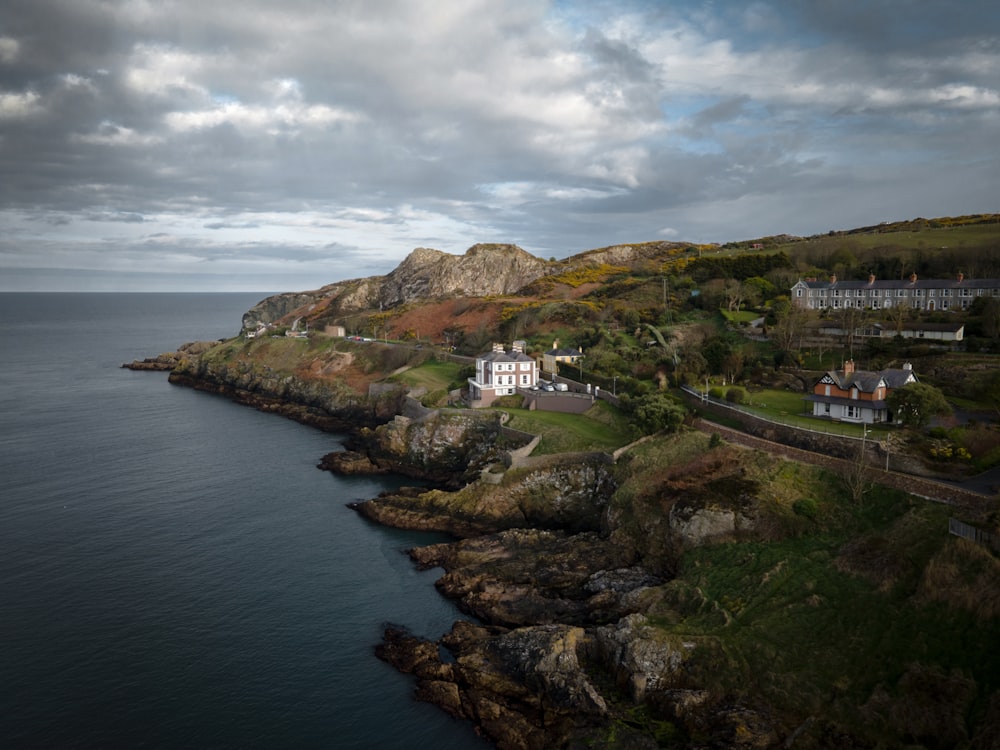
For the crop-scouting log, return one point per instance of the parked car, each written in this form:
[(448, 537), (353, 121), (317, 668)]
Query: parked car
[(561, 387)]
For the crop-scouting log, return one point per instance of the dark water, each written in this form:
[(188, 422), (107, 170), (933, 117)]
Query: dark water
[(174, 570)]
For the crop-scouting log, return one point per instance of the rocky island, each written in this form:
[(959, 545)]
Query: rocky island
[(676, 590)]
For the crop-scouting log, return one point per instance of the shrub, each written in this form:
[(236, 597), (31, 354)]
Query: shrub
[(736, 396), (434, 398), (806, 507)]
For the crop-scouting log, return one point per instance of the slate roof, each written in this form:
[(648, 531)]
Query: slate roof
[(505, 357), (867, 381), (904, 284)]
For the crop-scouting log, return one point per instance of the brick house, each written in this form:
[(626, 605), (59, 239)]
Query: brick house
[(857, 395)]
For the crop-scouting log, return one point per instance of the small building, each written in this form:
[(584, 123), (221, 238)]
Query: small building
[(501, 373), (947, 332), (858, 395), (337, 331), (555, 355)]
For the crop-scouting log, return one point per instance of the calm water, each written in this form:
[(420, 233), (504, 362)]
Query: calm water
[(174, 570)]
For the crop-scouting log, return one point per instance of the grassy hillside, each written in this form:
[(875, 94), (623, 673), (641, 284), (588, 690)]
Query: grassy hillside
[(868, 617)]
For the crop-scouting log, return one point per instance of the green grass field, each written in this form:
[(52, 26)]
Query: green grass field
[(601, 428), (433, 375)]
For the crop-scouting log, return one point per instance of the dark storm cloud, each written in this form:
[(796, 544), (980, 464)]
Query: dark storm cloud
[(259, 134)]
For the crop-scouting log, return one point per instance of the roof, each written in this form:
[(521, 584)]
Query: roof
[(505, 357), (867, 381), (904, 284), (564, 353)]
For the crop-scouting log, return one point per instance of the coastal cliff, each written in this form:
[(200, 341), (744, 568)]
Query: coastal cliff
[(682, 592)]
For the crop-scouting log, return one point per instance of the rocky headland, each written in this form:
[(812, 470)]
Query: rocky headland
[(653, 598)]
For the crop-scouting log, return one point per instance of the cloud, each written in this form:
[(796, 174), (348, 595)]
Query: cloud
[(369, 128)]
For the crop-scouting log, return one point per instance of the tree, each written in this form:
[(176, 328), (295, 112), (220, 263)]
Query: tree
[(857, 477), (915, 403), (789, 325), (658, 411)]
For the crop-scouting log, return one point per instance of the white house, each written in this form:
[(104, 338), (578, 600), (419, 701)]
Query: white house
[(501, 373)]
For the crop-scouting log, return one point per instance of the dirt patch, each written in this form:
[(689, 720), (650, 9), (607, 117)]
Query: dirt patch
[(428, 320)]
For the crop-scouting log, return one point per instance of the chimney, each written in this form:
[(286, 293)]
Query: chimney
[(913, 278), (907, 366), (833, 278), (849, 367), (555, 344), (518, 346), (961, 277), (871, 279), (497, 348)]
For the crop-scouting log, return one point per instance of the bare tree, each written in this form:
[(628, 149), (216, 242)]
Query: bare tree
[(857, 476)]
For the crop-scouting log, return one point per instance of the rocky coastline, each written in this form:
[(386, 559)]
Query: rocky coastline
[(565, 568), (556, 652)]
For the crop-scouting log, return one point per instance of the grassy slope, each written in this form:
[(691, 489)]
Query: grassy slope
[(602, 427), (827, 610)]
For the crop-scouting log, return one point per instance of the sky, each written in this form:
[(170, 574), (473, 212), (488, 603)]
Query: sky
[(174, 145)]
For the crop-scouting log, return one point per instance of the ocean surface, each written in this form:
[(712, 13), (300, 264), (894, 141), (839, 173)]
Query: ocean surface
[(174, 570)]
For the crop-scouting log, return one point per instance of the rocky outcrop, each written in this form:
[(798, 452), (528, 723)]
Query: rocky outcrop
[(169, 360), (546, 686), (483, 270), (525, 688), (326, 404), (572, 497), (530, 576), (448, 447)]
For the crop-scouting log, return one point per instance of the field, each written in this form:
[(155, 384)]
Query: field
[(600, 428)]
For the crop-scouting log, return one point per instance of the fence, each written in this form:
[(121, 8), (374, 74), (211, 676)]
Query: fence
[(832, 429), (973, 534)]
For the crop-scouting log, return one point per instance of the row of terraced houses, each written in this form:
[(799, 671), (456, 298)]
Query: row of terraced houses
[(879, 294)]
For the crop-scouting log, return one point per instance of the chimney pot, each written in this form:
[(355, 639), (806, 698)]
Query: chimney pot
[(849, 367)]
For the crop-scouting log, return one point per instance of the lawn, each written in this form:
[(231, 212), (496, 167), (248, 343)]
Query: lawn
[(743, 316), (601, 428), (788, 407), (432, 375)]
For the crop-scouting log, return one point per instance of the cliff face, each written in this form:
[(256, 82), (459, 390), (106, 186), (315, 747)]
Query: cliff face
[(323, 404), (425, 273), (483, 270)]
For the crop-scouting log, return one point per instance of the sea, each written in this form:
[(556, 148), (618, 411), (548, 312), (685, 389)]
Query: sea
[(175, 572)]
